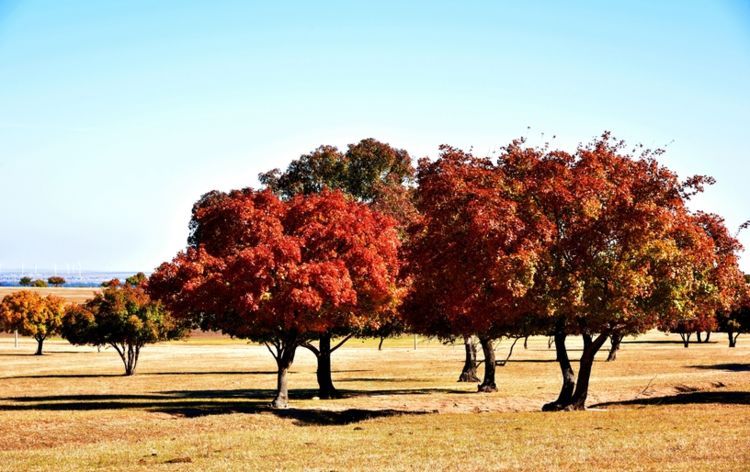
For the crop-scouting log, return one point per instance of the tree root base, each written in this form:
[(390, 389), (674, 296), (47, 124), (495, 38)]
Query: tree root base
[(468, 378), (555, 406)]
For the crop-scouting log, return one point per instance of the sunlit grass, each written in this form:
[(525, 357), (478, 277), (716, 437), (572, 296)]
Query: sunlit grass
[(204, 401)]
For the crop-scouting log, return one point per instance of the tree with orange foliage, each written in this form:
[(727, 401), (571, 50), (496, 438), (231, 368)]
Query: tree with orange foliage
[(626, 253), (32, 315), (282, 272), (724, 290), (473, 253), (736, 321)]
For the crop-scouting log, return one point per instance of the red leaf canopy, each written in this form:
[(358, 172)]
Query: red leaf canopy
[(473, 254), (259, 267)]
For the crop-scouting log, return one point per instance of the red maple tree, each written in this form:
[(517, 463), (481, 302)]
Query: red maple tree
[(472, 253), (626, 252), (282, 272)]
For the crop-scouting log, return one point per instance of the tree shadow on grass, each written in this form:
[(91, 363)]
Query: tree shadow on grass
[(513, 361), (303, 417), (62, 376), (20, 354), (380, 379), (308, 394), (727, 398), (143, 374), (31, 353), (731, 367), (191, 404)]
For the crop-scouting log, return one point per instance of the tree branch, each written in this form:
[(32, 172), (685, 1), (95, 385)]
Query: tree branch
[(312, 348), (271, 351), (342, 342), (510, 353)]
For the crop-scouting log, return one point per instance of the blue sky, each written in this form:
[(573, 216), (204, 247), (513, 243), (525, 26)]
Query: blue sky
[(116, 116)]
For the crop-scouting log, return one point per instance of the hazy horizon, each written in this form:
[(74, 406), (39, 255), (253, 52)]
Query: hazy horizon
[(115, 118)]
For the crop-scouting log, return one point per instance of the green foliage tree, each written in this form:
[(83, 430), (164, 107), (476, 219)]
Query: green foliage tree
[(39, 283), (370, 171), (136, 279), (25, 281), (56, 281), (123, 317)]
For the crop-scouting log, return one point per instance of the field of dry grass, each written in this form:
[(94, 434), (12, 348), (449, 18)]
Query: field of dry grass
[(73, 294), (201, 404)]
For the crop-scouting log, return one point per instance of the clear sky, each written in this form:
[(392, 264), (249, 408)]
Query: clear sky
[(115, 116)]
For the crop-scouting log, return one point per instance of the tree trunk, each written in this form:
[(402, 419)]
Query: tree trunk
[(39, 345), (708, 336), (488, 383), (568, 376), (698, 337), (590, 348), (732, 338), (284, 359), (325, 379), (685, 339), (129, 354), (469, 372), (526, 342), (615, 339), (380, 344)]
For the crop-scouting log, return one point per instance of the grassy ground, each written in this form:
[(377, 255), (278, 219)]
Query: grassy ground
[(201, 404)]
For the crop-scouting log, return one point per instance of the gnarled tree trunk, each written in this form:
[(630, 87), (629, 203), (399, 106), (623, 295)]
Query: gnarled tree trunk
[(488, 349), (469, 371), (568, 376), (590, 348), (685, 339), (708, 336), (615, 339), (732, 338)]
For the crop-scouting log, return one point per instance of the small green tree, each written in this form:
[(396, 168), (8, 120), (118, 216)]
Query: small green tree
[(136, 280), (25, 282), (32, 315), (39, 283), (56, 281), (124, 317)]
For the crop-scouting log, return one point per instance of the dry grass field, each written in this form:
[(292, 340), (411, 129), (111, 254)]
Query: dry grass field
[(73, 294), (201, 405)]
